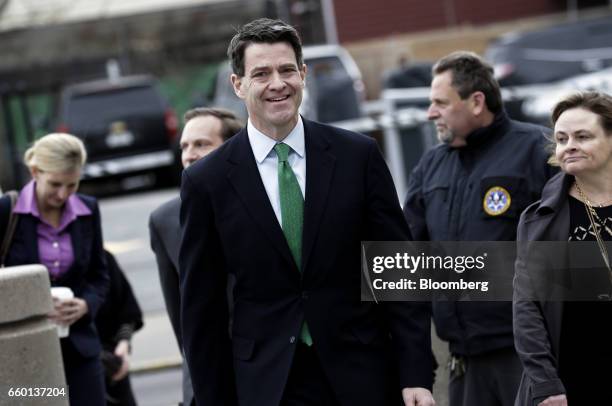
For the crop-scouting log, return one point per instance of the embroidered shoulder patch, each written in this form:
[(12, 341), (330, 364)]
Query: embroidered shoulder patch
[(496, 201)]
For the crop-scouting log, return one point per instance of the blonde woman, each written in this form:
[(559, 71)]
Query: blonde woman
[(61, 229)]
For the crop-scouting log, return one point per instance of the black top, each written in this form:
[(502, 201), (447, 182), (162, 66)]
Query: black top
[(120, 315), (586, 332)]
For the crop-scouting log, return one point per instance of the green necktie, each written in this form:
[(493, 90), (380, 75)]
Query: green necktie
[(292, 214)]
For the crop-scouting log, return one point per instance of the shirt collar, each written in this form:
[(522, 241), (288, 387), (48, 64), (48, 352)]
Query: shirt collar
[(26, 204), (262, 144)]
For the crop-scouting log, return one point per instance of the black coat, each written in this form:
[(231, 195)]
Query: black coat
[(120, 314), (445, 203), (368, 351), (537, 324)]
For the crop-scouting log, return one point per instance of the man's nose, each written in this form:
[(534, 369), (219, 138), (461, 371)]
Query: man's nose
[(432, 112), (190, 154), (276, 81)]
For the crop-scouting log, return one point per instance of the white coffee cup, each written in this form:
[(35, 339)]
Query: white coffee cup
[(62, 293)]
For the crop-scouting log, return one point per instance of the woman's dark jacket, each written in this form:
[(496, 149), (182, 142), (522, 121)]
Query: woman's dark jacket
[(537, 323), (87, 277), (120, 315)]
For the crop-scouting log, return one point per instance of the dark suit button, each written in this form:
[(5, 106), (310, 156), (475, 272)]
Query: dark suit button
[(292, 340), (305, 295)]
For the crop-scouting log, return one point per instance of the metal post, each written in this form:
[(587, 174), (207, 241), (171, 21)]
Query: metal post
[(393, 150), (283, 10), (27, 119), (572, 10), (11, 145), (329, 20)]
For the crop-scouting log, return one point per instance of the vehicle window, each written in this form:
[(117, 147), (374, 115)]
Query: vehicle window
[(99, 108), (326, 68), (331, 89)]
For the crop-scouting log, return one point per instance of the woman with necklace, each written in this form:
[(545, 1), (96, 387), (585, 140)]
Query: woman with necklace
[(560, 341)]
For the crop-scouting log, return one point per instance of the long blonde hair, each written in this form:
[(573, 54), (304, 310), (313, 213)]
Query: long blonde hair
[(57, 153)]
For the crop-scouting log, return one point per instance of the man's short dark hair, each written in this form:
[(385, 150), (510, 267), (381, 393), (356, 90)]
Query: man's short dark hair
[(470, 73), (262, 30), (230, 124)]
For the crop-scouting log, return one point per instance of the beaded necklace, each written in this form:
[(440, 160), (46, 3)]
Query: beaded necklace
[(597, 225)]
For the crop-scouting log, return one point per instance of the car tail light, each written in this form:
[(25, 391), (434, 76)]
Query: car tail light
[(62, 128), (171, 124)]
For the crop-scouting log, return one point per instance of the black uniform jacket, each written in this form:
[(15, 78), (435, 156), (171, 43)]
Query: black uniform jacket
[(446, 202)]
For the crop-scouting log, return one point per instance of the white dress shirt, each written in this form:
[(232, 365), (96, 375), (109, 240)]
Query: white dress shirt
[(267, 161)]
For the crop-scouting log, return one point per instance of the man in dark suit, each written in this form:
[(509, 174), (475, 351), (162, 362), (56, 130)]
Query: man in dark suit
[(205, 130), (300, 334)]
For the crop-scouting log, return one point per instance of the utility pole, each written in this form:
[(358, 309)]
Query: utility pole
[(572, 10), (329, 20)]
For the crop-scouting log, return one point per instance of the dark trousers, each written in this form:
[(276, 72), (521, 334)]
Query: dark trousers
[(307, 384), (85, 377), (119, 393), (489, 379)]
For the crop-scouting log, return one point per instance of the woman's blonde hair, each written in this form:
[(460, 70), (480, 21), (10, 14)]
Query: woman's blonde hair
[(57, 153)]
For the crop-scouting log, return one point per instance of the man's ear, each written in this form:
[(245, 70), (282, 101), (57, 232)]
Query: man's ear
[(237, 85), (479, 103), (303, 72)]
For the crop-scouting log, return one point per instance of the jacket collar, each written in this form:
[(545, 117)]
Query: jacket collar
[(555, 193), (245, 178), (484, 135), (27, 204)]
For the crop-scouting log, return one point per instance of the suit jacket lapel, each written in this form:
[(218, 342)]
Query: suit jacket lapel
[(244, 177), (76, 236), (30, 225), (320, 164)]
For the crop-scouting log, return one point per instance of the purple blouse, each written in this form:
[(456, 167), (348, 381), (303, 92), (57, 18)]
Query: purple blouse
[(54, 244)]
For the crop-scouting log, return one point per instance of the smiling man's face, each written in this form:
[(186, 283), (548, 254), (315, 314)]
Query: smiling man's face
[(271, 87)]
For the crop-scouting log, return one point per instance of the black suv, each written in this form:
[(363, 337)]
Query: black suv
[(126, 125)]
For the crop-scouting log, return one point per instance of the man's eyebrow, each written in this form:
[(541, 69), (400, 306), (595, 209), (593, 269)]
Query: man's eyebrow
[(259, 67), (577, 132), (583, 131)]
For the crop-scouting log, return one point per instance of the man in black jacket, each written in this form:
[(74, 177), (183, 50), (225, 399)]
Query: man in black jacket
[(473, 187)]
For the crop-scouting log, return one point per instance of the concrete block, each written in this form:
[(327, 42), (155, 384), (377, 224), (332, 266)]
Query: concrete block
[(25, 291), (32, 371)]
